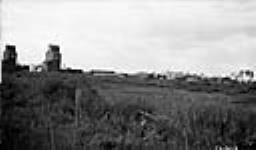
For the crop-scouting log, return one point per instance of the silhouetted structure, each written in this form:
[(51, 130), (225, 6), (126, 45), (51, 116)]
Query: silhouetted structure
[(53, 58), (70, 70), (102, 73), (9, 62), (10, 58), (52, 61), (22, 68)]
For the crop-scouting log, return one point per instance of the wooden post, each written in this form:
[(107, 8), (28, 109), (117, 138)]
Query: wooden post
[(52, 137), (50, 129), (77, 106), (78, 95), (0, 65), (0, 89)]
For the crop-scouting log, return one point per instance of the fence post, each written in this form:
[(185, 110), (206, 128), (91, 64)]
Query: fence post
[(78, 95)]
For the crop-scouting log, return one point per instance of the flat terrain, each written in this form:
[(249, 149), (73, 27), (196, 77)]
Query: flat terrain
[(114, 111), (163, 92)]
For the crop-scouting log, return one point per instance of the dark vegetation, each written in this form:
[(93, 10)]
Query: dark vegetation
[(49, 110)]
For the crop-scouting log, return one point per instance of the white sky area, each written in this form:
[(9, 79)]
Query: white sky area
[(210, 36)]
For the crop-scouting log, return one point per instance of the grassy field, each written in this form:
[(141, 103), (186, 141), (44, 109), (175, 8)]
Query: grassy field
[(43, 110)]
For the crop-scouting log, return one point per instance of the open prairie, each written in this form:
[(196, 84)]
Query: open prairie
[(81, 110)]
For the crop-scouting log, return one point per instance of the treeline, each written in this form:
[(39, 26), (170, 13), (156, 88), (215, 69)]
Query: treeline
[(44, 111)]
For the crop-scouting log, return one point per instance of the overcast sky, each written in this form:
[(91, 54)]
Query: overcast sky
[(210, 36)]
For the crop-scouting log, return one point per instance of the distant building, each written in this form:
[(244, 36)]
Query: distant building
[(143, 75), (52, 62), (107, 73), (161, 76), (245, 76), (227, 81), (102, 73), (171, 75), (37, 68), (192, 78), (9, 62), (53, 58), (214, 80), (22, 68), (70, 70), (10, 58)]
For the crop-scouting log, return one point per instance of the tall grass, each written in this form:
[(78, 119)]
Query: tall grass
[(40, 110)]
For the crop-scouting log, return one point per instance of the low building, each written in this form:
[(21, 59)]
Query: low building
[(22, 68), (102, 73), (37, 68), (107, 73), (161, 76), (171, 75), (143, 75), (70, 70)]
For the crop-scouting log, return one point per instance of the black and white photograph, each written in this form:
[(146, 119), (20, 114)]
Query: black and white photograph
[(127, 75)]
